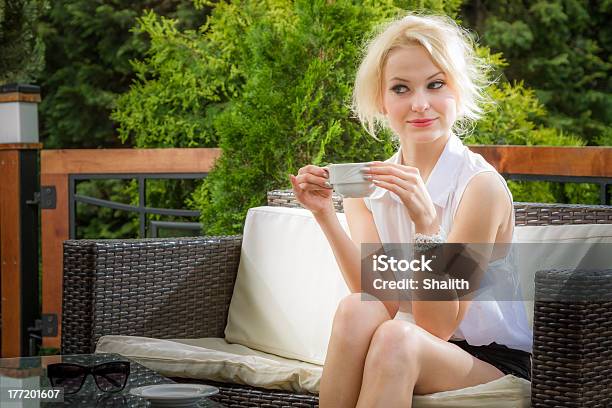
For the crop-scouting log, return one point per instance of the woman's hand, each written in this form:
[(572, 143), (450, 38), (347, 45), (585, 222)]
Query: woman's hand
[(312, 189), (407, 184)]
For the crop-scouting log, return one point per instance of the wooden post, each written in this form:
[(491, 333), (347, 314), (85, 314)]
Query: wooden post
[(19, 306), (18, 246)]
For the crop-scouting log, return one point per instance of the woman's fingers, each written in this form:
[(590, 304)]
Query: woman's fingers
[(312, 169), (296, 186), (386, 167), (309, 181), (387, 186), (404, 185), (393, 175), (406, 174)]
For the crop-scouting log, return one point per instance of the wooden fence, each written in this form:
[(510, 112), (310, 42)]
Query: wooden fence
[(59, 167), (56, 168)]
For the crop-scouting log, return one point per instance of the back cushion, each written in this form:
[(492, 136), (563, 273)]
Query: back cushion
[(560, 254), (288, 285), (585, 233)]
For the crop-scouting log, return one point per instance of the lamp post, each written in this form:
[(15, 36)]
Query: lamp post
[(19, 215)]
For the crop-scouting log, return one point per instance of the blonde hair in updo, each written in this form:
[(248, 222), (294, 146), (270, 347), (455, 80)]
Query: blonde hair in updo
[(451, 48)]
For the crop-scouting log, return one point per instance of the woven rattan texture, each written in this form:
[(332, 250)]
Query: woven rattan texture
[(286, 198), (238, 396), (525, 213), (572, 359), (77, 301), (163, 288)]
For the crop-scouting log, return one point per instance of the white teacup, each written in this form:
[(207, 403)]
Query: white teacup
[(348, 180)]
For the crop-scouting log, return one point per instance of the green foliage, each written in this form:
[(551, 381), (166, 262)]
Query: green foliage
[(274, 85), (177, 87), (48, 351), (174, 194), (292, 111), (516, 119), (532, 191), (559, 48), (548, 192), (584, 193), (513, 120), (89, 46), (183, 81), (298, 61), (21, 46), (101, 222)]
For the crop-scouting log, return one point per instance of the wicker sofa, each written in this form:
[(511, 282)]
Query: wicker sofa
[(104, 294)]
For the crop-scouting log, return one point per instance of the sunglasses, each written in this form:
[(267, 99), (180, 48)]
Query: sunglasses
[(109, 377)]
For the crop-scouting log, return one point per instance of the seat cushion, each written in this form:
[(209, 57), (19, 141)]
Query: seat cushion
[(215, 359)]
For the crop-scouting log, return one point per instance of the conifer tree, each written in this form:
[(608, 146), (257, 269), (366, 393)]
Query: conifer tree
[(559, 48), (21, 45), (89, 45)]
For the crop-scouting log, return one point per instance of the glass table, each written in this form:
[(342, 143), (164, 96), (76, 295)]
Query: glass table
[(30, 373)]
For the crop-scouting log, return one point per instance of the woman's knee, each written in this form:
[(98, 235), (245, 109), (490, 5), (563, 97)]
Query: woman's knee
[(395, 345), (360, 310)]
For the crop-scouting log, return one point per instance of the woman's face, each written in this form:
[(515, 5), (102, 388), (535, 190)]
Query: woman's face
[(417, 101)]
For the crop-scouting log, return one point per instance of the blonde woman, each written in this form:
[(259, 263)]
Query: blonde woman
[(421, 79)]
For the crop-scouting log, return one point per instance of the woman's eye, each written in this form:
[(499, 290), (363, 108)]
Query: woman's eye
[(436, 85), (399, 89)]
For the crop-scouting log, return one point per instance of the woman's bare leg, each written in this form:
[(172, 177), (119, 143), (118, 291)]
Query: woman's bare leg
[(404, 359), (354, 324)]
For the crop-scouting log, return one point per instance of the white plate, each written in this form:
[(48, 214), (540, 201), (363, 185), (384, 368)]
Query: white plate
[(174, 395)]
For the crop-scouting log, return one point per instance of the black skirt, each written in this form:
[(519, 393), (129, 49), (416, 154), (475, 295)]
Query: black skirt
[(507, 360)]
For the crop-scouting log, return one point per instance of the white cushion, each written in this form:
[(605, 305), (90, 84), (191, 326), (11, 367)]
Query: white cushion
[(215, 359), (588, 233), (505, 392), (288, 285), (561, 244)]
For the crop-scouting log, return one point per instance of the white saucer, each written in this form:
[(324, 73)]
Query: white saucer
[(174, 395)]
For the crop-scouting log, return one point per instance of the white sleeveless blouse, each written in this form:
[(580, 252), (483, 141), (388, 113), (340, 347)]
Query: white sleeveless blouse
[(487, 320)]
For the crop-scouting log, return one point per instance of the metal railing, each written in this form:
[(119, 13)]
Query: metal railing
[(604, 183), (141, 208)]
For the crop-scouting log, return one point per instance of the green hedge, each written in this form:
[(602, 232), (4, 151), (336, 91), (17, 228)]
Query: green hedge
[(270, 83)]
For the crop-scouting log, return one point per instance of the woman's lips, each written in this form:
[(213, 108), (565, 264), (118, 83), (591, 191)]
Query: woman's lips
[(422, 122)]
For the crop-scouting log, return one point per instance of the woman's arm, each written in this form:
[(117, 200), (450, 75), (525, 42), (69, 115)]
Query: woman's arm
[(312, 190), (344, 249), (484, 208), (347, 250)]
